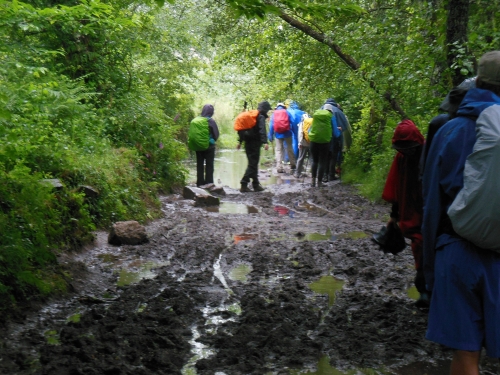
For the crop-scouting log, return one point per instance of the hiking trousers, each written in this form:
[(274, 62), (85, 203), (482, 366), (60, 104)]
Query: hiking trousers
[(334, 157), (303, 152), (205, 166), (252, 149), (280, 151), (319, 153)]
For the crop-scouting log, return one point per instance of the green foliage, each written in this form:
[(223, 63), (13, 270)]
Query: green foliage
[(89, 97)]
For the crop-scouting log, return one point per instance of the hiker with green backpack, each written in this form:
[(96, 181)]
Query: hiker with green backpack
[(202, 135), (323, 128)]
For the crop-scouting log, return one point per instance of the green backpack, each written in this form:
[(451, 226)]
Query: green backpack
[(199, 134), (321, 128)]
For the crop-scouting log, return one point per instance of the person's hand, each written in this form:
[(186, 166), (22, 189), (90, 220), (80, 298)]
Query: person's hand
[(266, 147), (300, 146), (338, 127), (238, 146)]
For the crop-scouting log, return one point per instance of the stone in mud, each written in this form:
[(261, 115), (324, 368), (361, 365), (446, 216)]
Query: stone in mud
[(55, 182), (219, 190), (127, 233), (200, 196), (89, 191)]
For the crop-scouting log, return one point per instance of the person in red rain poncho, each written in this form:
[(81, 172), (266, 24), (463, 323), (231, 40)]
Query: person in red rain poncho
[(404, 190)]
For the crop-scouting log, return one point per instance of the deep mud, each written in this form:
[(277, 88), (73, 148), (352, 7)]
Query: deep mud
[(232, 293)]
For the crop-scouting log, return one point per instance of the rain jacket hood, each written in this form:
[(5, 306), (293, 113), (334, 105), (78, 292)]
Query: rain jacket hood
[(443, 173), (406, 131), (208, 110), (264, 107)]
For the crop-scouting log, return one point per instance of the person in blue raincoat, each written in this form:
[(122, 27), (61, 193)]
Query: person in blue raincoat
[(295, 113), (463, 278), (337, 145), (283, 139)]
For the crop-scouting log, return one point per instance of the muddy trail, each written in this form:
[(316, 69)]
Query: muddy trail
[(286, 281)]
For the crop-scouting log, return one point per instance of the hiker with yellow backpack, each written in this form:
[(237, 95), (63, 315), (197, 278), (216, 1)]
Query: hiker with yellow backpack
[(303, 141), (323, 128)]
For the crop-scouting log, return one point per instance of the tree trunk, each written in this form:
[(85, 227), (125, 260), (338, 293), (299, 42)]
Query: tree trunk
[(347, 59), (456, 32)]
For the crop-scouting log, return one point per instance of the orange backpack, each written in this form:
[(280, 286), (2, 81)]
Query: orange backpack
[(246, 120)]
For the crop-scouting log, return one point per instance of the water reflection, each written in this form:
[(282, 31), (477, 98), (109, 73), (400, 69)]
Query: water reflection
[(244, 237), (233, 208), (327, 285), (282, 210), (230, 165)]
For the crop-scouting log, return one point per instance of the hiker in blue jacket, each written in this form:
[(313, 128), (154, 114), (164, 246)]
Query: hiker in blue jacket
[(463, 278), (281, 136), (295, 113), (338, 143)]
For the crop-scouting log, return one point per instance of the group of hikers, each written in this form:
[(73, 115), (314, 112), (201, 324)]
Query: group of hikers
[(322, 137), (445, 195), (444, 191)]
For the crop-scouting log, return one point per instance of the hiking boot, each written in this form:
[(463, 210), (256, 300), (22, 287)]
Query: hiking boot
[(320, 184), (244, 188), (313, 182), (280, 170), (258, 187), (293, 167)]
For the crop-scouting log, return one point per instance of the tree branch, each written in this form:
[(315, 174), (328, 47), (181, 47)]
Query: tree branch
[(347, 59)]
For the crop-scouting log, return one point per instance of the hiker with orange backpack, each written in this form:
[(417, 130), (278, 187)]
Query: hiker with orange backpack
[(251, 128), (280, 128)]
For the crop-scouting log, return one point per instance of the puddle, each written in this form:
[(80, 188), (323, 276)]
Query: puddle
[(52, 337), (127, 277), (355, 235), (199, 350), (413, 293), (327, 285), (244, 237), (75, 318), (316, 236), (218, 274), (108, 258), (324, 368), (230, 165), (282, 211), (233, 208), (310, 207), (240, 273)]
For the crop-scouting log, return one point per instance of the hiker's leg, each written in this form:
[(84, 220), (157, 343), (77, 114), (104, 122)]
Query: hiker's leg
[(300, 160), (333, 160), (279, 153), (248, 172), (209, 168), (253, 154), (465, 363), (323, 158), (313, 149), (291, 154), (200, 168)]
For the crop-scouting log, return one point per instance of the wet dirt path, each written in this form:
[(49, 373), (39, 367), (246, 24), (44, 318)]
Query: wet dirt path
[(286, 281)]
